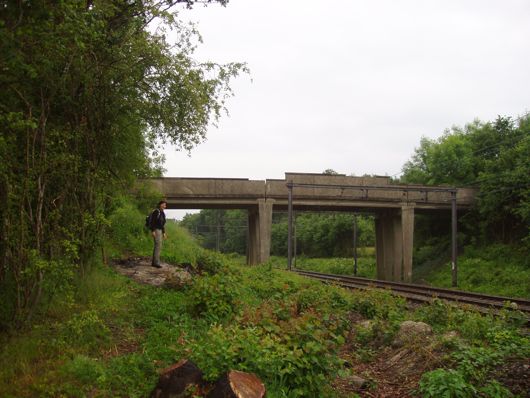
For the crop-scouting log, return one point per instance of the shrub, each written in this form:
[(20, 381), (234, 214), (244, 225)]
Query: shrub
[(476, 362), (85, 330), (84, 370), (300, 355), (436, 313), (446, 383), (374, 303), (214, 296), (210, 262)]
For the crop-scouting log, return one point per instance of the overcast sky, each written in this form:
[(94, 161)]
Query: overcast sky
[(354, 85)]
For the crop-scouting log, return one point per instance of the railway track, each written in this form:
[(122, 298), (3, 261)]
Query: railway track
[(420, 293)]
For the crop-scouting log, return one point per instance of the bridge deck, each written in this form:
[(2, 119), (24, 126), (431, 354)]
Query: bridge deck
[(310, 191)]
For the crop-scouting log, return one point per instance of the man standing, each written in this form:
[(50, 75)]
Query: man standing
[(157, 221)]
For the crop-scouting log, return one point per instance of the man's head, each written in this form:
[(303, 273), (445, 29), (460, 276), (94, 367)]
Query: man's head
[(162, 204)]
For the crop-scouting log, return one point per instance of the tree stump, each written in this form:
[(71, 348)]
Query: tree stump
[(176, 379), (235, 384)]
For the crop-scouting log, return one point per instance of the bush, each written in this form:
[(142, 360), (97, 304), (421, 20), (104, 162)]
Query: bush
[(446, 383), (84, 370), (300, 355), (85, 330), (214, 296), (435, 313), (379, 304), (210, 262)]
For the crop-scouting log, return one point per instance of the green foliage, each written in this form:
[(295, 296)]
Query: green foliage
[(436, 313), (494, 389), (492, 156), (378, 304), (225, 230), (318, 235), (83, 369), (476, 362), (126, 228), (211, 262), (128, 373), (88, 94), (446, 383), (297, 356), (214, 296), (470, 378), (366, 266), (495, 269), (85, 330), (115, 335)]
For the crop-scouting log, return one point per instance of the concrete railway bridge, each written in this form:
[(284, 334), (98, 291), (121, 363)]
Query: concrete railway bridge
[(394, 207)]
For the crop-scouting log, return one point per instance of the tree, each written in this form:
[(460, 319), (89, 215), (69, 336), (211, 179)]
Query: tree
[(86, 93), (492, 156)]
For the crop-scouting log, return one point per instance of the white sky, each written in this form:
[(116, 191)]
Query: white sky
[(353, 85)]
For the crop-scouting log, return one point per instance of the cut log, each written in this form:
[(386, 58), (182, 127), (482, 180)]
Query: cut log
[(176, 379), (237, 384)]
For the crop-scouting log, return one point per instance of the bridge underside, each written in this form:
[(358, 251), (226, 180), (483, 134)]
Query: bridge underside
[(393, 206)]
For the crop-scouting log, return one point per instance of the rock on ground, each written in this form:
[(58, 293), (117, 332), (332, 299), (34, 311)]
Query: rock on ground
[(411, 332), (140, 270)]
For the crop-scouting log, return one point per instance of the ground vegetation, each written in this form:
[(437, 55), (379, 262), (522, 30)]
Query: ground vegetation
[(300, 337)]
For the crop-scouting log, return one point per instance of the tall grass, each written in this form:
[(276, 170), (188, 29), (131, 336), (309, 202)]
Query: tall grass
[(366, 266), (496, 269)]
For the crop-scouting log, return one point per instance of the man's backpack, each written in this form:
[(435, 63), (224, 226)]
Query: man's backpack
[(149, 218)]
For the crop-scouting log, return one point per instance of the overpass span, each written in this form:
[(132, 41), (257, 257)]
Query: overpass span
[(393, 205)]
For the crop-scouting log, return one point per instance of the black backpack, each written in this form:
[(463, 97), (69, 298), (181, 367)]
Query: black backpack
[(148, 218)]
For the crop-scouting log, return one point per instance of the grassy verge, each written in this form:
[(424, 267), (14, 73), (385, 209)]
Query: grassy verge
[(498, 269), (340, 266)]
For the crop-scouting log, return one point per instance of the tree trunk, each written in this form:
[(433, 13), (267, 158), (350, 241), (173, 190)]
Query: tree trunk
[(237, 384), (176, 379)]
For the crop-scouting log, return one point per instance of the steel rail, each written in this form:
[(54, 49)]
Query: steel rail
[(421, 293)]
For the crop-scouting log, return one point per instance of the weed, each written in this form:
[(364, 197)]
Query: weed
[(85, 330), (380, 304), (214, 296), (446, 383), (84, 370)]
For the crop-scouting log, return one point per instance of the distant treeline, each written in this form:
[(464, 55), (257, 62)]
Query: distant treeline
[(317, 235)]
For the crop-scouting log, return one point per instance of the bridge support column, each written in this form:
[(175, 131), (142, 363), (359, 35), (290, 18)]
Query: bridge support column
[(260, 230), (253, 237), (407, 221), (394, 230)]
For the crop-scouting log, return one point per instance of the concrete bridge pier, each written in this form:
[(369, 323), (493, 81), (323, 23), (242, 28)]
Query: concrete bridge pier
[(260, 231), (394, 232)]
